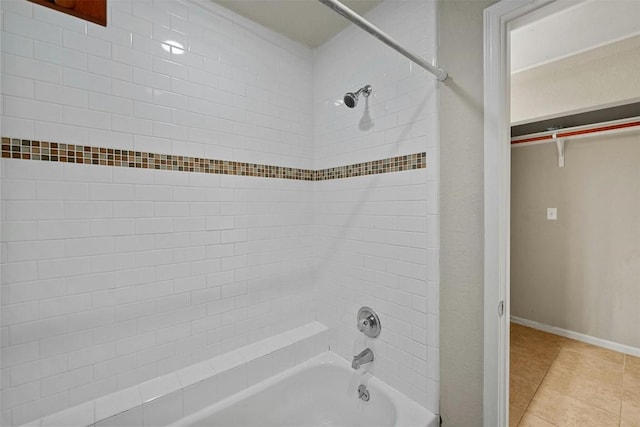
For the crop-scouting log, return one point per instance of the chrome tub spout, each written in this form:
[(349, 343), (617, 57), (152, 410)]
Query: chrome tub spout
[(365, 356)]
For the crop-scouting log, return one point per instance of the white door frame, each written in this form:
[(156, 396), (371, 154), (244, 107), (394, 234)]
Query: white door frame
[(498, 21)]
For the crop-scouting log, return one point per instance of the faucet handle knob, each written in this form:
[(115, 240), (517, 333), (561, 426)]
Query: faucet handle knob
[(364, 324), (368, 322)]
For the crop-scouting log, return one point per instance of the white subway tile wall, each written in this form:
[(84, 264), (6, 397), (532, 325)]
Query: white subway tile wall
[(378, 235), (226, 95), (114, 276), (101, 291)]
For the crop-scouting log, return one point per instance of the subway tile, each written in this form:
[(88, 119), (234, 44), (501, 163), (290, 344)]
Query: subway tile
[(31, 68), (78, 415), (132, 176), (32, 109), (34, 250), (132, 23), (170, 68), (17, 45), (51, 190), (91, 391), (116, 192), (19, 272), (33, 291), (144, 278), (87, 209), (114, 366), (90, 246), (17, 86), (53, 17), (38, 408), (117, 36), (85, 43), (136, 376), (112, 227), (21, 353), (131, 125), (86, 118), (126, 55), (48, 92), (49, 269), (24, 393), (18, 313), (18, 24), (162, 410), (56, 132), (84, 80), (110, 104), (133, 311), (110, 139), (17, 126), (150, 79), (18, 189), (91, 355), (109, 68), (131, 417), (59, 55), (64, 305), (90, 319), (66, 381)]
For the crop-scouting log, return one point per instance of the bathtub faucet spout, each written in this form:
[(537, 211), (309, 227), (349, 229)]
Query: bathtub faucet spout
[(365, 356)]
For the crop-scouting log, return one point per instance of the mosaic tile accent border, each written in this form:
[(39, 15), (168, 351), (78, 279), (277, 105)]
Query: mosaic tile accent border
[(14, 148), (393, 164)]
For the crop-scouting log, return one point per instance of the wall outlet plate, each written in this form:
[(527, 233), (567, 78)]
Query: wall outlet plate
[(552, 214)]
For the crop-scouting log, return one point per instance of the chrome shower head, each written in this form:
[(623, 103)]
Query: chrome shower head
[(351, 98)]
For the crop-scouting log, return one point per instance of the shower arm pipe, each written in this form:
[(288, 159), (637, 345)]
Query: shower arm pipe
[(383, 37)]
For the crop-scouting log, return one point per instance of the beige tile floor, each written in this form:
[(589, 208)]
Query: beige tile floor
[(560, 382)]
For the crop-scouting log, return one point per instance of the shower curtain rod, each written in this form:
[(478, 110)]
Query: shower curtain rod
[(383, 37)]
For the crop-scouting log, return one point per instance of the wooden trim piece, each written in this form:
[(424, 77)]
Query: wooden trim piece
[(90, 10)]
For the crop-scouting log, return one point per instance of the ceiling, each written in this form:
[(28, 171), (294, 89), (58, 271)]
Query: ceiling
[(306, 21), (583, 26), (563, 29)]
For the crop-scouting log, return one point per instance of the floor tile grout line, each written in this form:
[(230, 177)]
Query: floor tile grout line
[(536, 392), (561, 346), (624, 367), (590, 404)]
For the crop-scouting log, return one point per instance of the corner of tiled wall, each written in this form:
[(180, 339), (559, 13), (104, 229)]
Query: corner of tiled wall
[(378, 235)]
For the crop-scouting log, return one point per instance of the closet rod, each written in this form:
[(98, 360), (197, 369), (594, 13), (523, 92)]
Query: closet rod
[(580, 131), (383, 37)]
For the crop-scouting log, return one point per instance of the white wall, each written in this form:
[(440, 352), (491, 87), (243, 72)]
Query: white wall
[(460, 34), (111, 276), (586, 81), (378, 234)]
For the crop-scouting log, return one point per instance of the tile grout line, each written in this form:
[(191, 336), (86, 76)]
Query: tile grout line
[(560, 347), (624, 358), (536, 392), (576, 398)]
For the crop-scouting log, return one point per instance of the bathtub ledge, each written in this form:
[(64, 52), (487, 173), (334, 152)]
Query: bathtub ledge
[(264, 358)]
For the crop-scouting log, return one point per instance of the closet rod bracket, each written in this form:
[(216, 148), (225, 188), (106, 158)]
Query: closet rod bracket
[(560, 145)]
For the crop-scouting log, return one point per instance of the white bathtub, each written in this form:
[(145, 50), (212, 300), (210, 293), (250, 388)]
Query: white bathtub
[(320, 392)]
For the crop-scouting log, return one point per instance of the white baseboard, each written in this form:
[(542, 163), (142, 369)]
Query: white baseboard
[(622, 348)]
